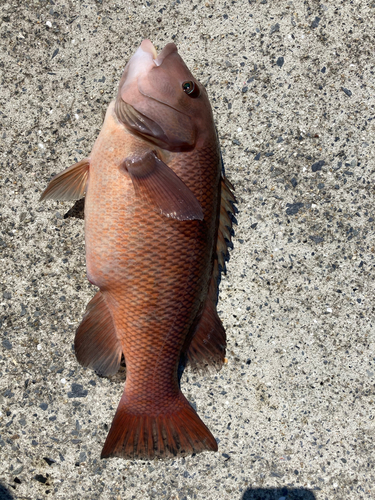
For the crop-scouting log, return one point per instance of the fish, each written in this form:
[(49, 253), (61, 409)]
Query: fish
[(158, 216)]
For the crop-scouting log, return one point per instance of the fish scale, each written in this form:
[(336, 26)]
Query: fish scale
[(156, 226)]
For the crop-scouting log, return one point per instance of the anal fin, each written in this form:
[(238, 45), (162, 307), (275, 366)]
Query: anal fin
[(69, 184), (208, 343), (96, 344)]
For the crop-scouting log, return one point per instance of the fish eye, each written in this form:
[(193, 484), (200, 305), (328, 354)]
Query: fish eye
[(191, 89)]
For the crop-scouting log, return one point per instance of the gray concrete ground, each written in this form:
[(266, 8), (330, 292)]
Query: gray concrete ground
[(292, 87)]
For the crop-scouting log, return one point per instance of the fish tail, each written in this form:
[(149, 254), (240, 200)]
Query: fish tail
[(176, 432)]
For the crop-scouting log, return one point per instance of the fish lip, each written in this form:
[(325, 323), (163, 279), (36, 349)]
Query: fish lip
[(147, 46), (170, 48)]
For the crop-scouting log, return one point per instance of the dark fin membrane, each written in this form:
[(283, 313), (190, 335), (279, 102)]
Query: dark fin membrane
[(176, 433), (69, 184), (206, 348), (138, 122), (158, 185), (96, 344)]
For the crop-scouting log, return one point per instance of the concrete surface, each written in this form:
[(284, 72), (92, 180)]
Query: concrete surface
[(292, 86)]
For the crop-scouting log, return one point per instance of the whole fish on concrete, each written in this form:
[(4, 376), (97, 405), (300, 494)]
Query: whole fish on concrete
[(157, 225)]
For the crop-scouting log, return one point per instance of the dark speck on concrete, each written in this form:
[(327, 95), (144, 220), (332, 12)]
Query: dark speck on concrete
[(257, 157), (316, 239), (347, 91), (275, 28), (280, 61), (77, 391), (317, 165), (293, 182), (49, 460), (40, 478), (6, 344), (293, 208), (316, 22)]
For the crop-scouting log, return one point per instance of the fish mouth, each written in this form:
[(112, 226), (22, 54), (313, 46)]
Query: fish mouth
[(147, 46), (170, 48)]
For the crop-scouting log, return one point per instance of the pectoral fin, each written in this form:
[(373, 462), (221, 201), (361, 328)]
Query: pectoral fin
[(157, 184), (69, 184)]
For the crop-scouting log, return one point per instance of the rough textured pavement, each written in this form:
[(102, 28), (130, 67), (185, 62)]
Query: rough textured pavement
[(292, 86)]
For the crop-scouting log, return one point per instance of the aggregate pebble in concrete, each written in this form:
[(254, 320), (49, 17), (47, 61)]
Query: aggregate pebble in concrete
[(292, 88)]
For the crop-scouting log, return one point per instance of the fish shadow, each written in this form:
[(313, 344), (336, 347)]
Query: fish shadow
[(77, 211), (5, 493), (278, 494)]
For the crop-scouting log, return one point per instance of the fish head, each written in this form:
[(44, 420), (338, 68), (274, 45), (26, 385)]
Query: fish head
[(159, 99)]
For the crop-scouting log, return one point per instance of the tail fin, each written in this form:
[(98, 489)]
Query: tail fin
[(165, 435)]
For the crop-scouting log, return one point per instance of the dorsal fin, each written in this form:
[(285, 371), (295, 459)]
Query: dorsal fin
[(224, 235)]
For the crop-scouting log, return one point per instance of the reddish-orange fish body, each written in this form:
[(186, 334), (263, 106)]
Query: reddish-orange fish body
[(156, 225)]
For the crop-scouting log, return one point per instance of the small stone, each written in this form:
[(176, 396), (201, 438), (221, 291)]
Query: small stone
[(43, 406), (253, 226), (257, 157), (55, 52), (244, 90), (316, 239), (316, 22), (275, 28), (347, 91), (7, 344), (77, 391), (40, 478), (280, 61), (293, 182), (293, 208), (49, 460), (317, 165)]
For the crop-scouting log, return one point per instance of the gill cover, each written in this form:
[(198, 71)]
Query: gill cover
[(154, 101)]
